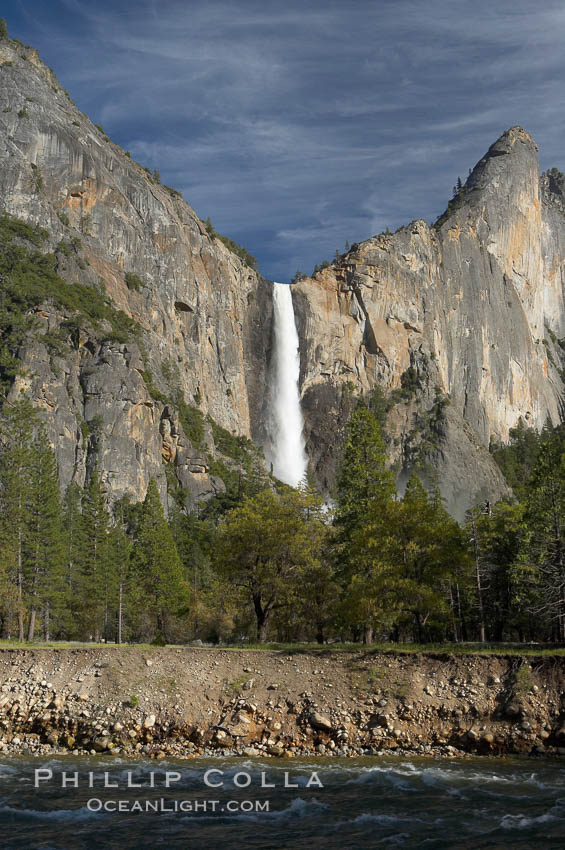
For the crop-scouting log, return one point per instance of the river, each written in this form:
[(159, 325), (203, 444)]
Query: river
[(337, 803)]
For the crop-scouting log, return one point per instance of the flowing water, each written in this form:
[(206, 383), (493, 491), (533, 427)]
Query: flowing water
[(287, 449), (336, 803)]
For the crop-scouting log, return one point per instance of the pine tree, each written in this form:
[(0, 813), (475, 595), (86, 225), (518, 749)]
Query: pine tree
[(363, 478), (16, 474), (425, 545), (121, 589), (3, 29), (96, 581), (404, 555), (74, 555), (540, 571), (498, 536), (157, 567), (365, 487), (45, 552)]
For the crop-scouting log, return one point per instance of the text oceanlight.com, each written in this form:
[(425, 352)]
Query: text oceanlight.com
[(185, 806)]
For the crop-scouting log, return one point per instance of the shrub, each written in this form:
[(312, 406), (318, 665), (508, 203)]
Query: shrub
[(29, 279), (192, 421), (133, 282), (37, 177), (153, 391)]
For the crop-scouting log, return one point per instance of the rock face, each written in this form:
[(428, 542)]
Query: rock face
[(469, 311), (201, 308), (462, 319)]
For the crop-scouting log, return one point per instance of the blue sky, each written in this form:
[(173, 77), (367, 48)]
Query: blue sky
[(299, 125)]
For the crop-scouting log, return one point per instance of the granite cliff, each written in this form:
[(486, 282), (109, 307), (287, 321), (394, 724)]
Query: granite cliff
[(463, 319), (458, 324), (200, 309)]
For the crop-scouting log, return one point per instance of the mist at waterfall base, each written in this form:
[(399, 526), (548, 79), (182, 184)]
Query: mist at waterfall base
[(286, 449), (364, 803)]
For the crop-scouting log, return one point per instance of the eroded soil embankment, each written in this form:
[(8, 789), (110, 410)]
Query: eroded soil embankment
[(192, 701)]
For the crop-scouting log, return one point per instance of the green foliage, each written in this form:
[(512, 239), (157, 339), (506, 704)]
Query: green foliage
[(153, 391), (380, 404), (239, 251), (410, 383), (518, 457), (37, 178), (255, 561), (31, 529), (65, 248), (232, 246), (23, 113), (63, 218), (3, 30), (30, 280), (158, 569), (174, 192), (403, 555), (192, 421), (363, 478), (235, 446), (461, 194), (523, 681), (236, 686), (133, 282), (540, 568), (11, 230), (264, 546)]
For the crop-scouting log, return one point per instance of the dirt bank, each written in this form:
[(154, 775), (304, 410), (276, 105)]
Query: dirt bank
[(194, 701)]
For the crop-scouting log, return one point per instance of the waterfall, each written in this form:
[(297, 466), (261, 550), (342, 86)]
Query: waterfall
[(287, 451)]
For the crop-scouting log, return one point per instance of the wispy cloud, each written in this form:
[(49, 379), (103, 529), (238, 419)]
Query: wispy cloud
[(298, 126)]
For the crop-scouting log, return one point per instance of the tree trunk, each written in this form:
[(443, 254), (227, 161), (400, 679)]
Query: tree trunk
[(320, 634), (262, 631), (47, 622), (418, 621), (453, 614), (262, 615), (31, 628), (120, 611), (20, 589), (478, 579), (368, 635)]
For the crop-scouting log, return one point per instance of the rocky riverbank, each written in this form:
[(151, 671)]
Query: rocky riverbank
[(185, 702)]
